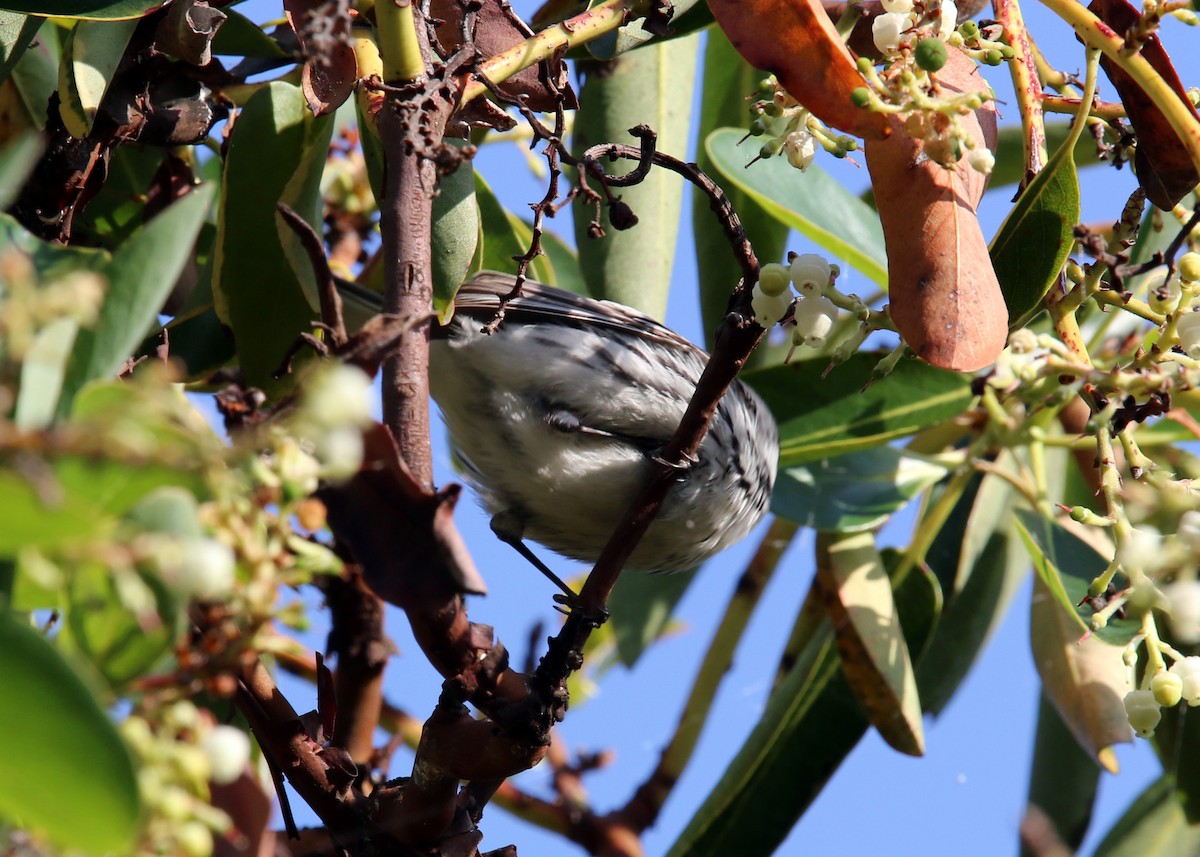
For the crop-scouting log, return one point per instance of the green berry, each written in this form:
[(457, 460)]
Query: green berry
[(993, 58), (930, 53), (1167, 688), (860, 97), (1189, 267), (969, 29), (758, 127)]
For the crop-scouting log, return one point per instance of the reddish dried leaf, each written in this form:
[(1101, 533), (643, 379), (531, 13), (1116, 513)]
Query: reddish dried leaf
[(1164, 167), (796, 41), (945, 298), (329, 72)]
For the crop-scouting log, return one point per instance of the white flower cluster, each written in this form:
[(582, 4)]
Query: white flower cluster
[(901, 24), (790, 129), (814, 314), (1166, 688)]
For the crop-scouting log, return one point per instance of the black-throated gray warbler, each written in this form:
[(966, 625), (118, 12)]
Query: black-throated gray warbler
[(556, 416)]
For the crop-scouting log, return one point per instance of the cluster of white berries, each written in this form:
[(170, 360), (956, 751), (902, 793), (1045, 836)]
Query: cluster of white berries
[(814, 314), (180, 752)]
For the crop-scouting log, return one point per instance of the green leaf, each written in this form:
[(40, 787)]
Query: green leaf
[(854, 492), (39, 512), (565, 263), (95, 10), (42, 374), (76, 498), (875, 658), (35, 75), (980, 568), (727, 80), (499, 237), (1084, 676), (198, 341), (641, 607), (51, 261), (275, 142), (1063, 779), (814, 204), (140, 275), (1067, 565), (811, 724), (822, 414), (241, 37), (63, 751), (119, 209), (16, 34), (92, 51), (651, 86), (1153, 826), (1036, 238), (122, 622), (456, 236)]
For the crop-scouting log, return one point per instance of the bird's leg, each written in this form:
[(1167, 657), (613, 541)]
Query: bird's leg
[(509, 529)]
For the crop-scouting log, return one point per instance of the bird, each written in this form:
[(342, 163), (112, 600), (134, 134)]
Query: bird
[(555, 418)]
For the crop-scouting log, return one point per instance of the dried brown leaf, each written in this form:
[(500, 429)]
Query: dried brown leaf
[(945, 298)]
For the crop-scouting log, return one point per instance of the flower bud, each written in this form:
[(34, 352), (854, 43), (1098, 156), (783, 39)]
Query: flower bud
[(228, 751), (340, 451), (200, 568), (194, 839), (1188, 330), (768, 309), (902, 7), (981, 160), (337, 396), (1143, 712), (887, 30), (774, 279), (1189, 530), (815, 317), (1188, 670), (1189, 267), (1183, 618), (1167, 688), (948, 20), (1163, 292), (800, 148), (811, 273)]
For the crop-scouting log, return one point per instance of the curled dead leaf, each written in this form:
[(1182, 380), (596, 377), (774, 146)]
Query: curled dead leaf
[(330, 68), (945, 298)]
